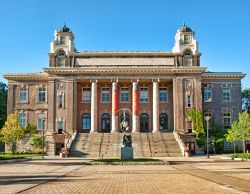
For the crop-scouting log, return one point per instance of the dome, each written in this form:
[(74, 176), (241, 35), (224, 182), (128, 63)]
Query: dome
[(64, 29), (185, 28)]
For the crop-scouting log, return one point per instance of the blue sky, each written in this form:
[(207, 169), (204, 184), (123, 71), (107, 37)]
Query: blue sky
[(222, 28)]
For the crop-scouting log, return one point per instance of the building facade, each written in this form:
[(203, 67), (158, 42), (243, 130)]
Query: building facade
[(91, 92)]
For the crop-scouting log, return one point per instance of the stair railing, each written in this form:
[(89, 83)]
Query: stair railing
[(71, 140), (180, 142), (149, 143), (100, 147)]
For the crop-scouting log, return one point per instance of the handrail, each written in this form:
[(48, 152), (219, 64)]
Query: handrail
[(180, 142), (149, 143), (71, 140), (100, 148)]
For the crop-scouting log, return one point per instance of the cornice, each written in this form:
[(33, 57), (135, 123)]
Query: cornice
[(126, 70), (223, 75), (26, 76)]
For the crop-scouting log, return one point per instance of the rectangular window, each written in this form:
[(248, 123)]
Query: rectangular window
[(105, 95), (60, 61), (186, 39), (227, 120), (41, 122), (209, 115), (207, 95), (60, 126), (189, 101), (163, 95), (124, 95), (60, 101), (23, 119), (42, 95), (86, 94), (144, 94), (23, 95), (226, 94), (62, 40)]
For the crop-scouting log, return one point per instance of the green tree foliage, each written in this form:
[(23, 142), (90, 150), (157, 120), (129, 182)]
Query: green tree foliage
[(240, 129), (12, 131), (196, 117), (37, 142), (3, 103), (217, 136), (30, 129), (246, 99)]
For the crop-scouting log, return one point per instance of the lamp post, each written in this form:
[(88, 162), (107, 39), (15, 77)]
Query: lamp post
[(43, 139), (207, 118)]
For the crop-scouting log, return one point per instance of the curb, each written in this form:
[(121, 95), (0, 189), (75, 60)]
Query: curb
[(15, 160), (129, 163)]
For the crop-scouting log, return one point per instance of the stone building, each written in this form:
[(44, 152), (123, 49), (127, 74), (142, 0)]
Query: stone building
[(91, 92)]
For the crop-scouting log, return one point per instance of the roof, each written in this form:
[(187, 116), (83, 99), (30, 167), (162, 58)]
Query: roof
[(185, 28), (64, 29)]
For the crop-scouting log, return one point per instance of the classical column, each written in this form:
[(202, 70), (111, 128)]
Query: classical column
[(10, 102), (115, 107), (135, 107), (70, 103), (178, 99), (93, 106), (155, 106), (51, 106)]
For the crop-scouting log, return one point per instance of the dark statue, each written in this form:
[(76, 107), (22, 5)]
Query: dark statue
[(127, 138)]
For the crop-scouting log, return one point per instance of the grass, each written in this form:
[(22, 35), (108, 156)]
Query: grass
[(111, 160), (9, 156), (241, 155)]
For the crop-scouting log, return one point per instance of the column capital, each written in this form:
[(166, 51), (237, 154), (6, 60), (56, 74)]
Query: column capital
[(155, 79), (114, 80), (135, 80), (93, 80)]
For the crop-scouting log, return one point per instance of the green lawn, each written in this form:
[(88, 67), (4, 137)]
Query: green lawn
[(241, 155), (8, 156)]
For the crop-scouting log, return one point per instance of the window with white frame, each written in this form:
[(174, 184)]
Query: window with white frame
[(124, 94), (209, 115), (86, 94), (62, 39), (23, 94), (227, 120), (189, 101), (42, 95), (144, 94), (60, 59), (226, 96), (163, 94), (41, 121), (207, 94), (187, 58), (22, 119), (187, 39), (105, 94)]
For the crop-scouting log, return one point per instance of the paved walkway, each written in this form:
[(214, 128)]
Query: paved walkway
[(195, 175)]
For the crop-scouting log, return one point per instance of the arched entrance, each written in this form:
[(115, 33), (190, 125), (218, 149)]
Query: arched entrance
[(144, 120), (86, 122), (105, 123), (163, 122)]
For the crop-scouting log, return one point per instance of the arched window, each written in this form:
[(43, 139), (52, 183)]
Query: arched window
[(144, 120), (187, 58), (105, 123), (163, 122), (60, 58), (86, 122)]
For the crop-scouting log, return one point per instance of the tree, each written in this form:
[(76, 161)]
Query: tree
[(196, 117), (217, 136), (30, 129), (240, 129), (3, 103), (37, 142), (12, 131), (246, 99)]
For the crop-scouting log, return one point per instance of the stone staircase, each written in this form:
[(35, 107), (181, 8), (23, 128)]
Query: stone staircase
[(108, 145)]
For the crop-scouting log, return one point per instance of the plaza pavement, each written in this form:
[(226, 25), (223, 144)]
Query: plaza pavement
[(72, 175)]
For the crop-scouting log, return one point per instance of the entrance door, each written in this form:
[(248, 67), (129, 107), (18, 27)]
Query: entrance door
[(144, 123), (105, 122)]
